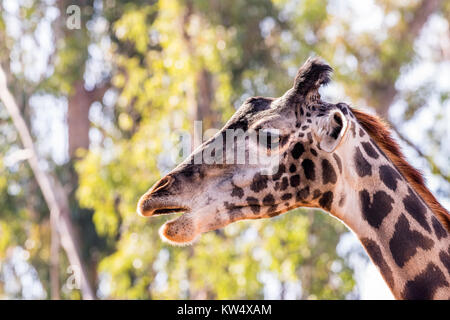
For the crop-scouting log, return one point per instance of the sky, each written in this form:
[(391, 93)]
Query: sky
[(50, 111)]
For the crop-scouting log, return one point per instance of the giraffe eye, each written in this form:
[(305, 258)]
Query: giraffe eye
[(269, 138)]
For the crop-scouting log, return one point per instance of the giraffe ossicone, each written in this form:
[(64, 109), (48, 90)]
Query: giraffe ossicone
[(328, 156)]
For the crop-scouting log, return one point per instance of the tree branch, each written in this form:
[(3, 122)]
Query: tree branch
[(54, 259), (54, 196), (434, 168), (420, 16)]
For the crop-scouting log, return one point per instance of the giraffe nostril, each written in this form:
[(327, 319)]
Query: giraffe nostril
[(162, 184)]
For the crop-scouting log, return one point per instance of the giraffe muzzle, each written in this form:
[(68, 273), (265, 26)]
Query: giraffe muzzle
[(156, 200), (149, 206)]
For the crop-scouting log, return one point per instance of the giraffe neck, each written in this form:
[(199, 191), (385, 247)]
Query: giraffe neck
[(401, 234)]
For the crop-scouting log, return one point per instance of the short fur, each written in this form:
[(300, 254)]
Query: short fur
[(379, 131)]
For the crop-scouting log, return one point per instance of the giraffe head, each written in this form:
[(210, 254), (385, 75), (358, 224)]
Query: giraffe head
[(306, 132)]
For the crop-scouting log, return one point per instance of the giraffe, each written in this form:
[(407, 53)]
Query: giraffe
[(331, 156)]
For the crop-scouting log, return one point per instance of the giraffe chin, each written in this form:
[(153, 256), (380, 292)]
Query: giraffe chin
[(180, 231)]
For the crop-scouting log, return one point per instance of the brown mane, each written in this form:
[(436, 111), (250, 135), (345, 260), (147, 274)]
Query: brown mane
[(380, 133)]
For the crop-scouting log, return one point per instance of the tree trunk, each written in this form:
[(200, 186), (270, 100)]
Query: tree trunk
[(421, 15), (78, 116), (54, 195), (54, 259), (201, 96)]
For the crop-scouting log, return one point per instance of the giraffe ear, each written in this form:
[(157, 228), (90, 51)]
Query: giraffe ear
[(331, 129), (314, 73)]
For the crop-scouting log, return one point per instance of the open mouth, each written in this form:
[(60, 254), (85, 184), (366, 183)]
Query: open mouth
[(169, 210), (148, 207)]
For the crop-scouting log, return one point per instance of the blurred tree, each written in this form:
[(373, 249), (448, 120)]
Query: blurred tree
[(36, 15), (134, 77), (194, 65)]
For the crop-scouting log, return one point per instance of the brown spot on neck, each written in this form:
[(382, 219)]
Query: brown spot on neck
[(380, 133)]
